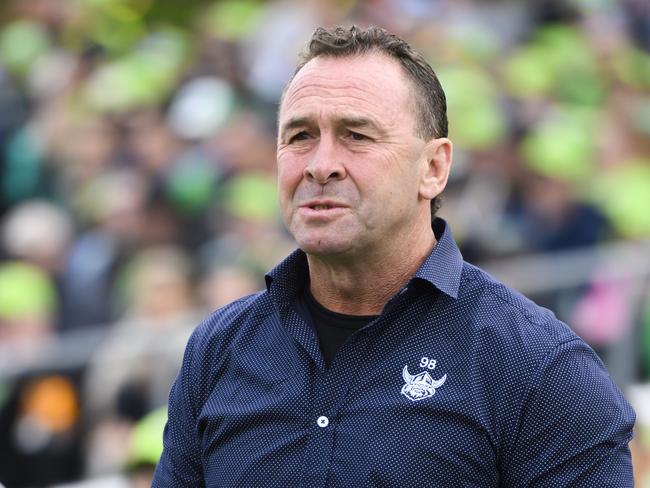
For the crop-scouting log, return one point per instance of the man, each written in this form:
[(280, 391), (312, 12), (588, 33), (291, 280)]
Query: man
[(376, 356)]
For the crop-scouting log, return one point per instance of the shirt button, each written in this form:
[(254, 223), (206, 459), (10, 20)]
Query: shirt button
[(323, 421)]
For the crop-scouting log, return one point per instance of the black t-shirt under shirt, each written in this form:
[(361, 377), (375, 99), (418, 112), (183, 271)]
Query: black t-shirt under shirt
[(332, 328)]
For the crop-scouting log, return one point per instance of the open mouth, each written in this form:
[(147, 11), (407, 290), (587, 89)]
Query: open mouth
[(320, 207)]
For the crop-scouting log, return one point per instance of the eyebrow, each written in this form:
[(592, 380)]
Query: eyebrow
[(295, 123), (360, 122), (346, 121)]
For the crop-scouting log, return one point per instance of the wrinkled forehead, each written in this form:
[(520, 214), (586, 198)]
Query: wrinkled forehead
[(369, 79)]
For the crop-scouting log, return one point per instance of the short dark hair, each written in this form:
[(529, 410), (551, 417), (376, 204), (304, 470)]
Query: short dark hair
[(428, 95)]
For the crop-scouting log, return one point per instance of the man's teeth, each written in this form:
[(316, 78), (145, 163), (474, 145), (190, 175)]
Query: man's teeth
[(321, 207)]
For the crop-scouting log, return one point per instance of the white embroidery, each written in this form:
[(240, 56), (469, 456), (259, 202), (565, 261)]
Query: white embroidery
[(420, 386), (425, 362)]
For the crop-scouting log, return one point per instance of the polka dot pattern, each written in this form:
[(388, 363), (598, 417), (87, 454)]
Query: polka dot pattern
[(461, 382)]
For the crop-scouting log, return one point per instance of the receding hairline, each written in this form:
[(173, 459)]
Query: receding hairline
[(370, 52)]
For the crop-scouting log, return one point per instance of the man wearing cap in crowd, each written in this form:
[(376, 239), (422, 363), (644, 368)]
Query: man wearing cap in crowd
[(376, 356)]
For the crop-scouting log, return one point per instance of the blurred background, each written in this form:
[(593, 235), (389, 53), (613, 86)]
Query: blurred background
[(137, 192)]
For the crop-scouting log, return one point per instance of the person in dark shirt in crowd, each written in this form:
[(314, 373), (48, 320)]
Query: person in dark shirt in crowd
[(376, 356)]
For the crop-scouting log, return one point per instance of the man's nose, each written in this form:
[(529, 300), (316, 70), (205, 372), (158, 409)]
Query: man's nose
[(326, 163)]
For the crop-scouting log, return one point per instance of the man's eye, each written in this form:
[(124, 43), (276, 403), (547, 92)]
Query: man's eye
[(357, 137), (300, 136)]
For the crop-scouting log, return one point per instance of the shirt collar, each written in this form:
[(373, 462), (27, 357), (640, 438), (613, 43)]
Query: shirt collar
[(442, 268), (287, 279), (444, 265)]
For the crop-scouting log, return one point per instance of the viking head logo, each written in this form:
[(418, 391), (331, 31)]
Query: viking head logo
[(420, 386)]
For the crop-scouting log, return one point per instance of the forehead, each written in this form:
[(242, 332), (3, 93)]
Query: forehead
[(369, 84)]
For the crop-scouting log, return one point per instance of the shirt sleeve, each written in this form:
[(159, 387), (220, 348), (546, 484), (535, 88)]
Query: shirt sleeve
[(180, 463), (574, 426)]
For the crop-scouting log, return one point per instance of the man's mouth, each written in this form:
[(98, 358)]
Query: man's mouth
[(322, 210), (322, 205)]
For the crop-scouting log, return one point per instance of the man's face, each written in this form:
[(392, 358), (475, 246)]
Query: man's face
[(349, 159)]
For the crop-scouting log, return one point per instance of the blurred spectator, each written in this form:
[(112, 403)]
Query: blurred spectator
[(27, 312), (40, 407), (226, 283), (145, 448), (133, 369), (39, 232)]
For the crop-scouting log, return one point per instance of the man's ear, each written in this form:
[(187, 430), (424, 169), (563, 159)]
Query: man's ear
[(438, 154)]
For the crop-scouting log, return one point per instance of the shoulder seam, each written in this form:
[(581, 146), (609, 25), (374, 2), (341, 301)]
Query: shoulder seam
[(489, 287)]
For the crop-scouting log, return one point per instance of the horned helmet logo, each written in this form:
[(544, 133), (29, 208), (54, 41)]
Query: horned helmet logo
[(421, 385)]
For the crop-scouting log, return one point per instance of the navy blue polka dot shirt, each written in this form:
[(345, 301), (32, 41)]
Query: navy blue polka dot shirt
[(460, 382)]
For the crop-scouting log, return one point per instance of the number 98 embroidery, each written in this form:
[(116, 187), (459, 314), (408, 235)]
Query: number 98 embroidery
[(425, 362)]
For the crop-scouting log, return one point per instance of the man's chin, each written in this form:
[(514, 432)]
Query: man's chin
[(325, 247)]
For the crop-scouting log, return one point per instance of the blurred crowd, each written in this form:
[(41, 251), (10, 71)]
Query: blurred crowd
[(137, 192)]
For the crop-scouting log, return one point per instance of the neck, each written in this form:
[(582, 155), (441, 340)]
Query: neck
[(364, 286)]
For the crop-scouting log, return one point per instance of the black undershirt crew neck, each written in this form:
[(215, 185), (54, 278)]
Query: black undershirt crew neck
[(332, 328)]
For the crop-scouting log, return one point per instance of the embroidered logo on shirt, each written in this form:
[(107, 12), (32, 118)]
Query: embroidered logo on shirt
[(420, 386)]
